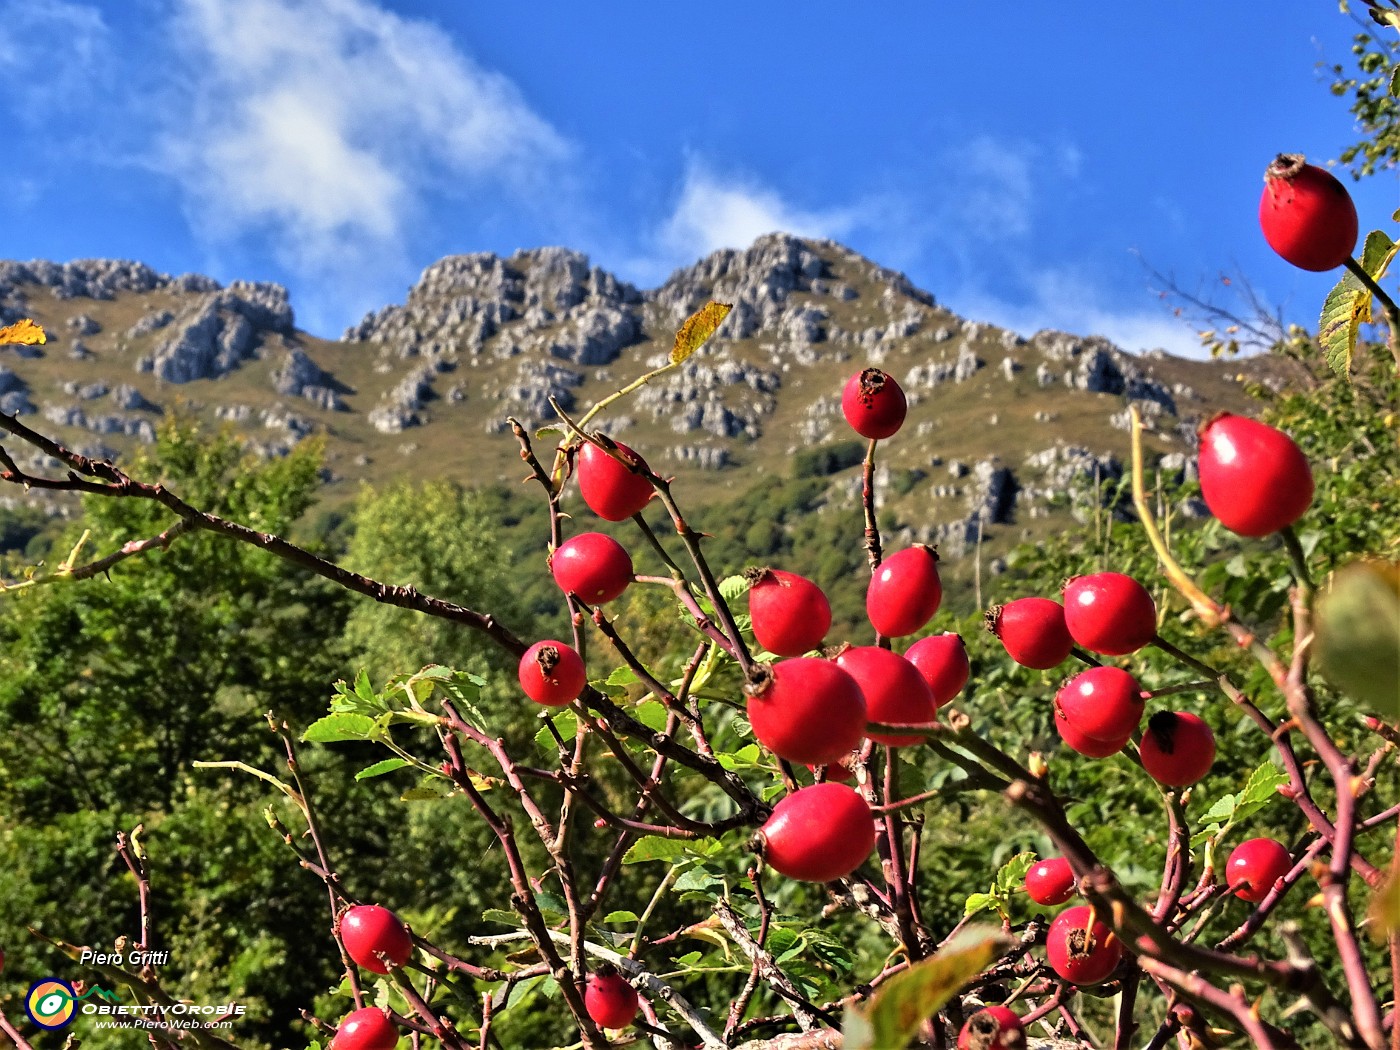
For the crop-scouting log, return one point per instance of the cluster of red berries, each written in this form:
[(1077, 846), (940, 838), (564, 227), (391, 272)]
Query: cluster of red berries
[(817, 709)]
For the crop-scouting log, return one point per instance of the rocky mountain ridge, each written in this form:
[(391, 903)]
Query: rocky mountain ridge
[(1004, 429)]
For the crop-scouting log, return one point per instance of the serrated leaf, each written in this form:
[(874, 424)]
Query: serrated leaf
[(620, 916), (389, 765), (1221, 808), (698, 328), (622, 676), (688, 959), (509, 918), (341, 726), (979, 902), (1358, 635), (23, 332), (1395, 82), (565, 722), (654, 847), (732, 587), (652, 714), (1259, 791), (1348, 304), (1013, 872), (908, 999), (697, 880), (363, 687)]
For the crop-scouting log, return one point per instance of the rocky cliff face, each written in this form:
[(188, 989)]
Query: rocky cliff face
[(1006, 431)]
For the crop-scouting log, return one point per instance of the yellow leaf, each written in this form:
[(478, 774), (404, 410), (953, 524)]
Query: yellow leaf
[(698, 327), (24, 332)]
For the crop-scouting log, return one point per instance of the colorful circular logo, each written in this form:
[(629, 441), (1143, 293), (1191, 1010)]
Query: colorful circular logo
[(51, 1003)]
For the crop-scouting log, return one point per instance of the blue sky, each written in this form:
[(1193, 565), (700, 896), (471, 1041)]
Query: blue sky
[(1018, 161)]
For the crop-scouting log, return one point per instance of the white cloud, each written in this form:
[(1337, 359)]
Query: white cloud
[(717, 211), (324, 124), (1066, 301), (51, 54)]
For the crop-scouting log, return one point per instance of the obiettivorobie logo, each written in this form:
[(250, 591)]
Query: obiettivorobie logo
[(53, 1004)]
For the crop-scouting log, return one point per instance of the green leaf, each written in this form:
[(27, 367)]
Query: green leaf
[(688, 959), (508, 918), (651, 714), (342, 726), (363, 689), (380, 768), (697, 880), (1395, 82), (429, 789), (622, 676), (908, 999), (979, 902), (1013, 872), (732, 587), (566, 722), (1358, 635), (654, 847), (1259, 791), (1221, 808), (1348, 305), (620, 916)]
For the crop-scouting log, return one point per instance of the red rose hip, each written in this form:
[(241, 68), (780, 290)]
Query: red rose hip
[(1307, 215), (1109, 613), (609, 999), (1033, 632), (1087, 745), (790, 613), (552, 673), (873, 404), (1254, 478), (1177, 749), (1050, 881), (1254, 866), (895, 692), (942, 660), (904, 592), (819, 833), (1103, 703), (993, 1028), (607, 486), (807, 710), (593, 566), (1081, 952), (369, 931), (367, 1029)]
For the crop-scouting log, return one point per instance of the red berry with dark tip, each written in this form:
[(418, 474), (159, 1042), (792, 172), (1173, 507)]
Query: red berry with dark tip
[(819, 833), (610, 1000), (1307, 215), (1254, 478), (610, 489), (873, 404), (993, 1028), (942, 660), (790, 613), (1081, 952), (895, 692), (552, 673), (1104, 703), (904, 591), (1050, 881), (1109, 613), (367, 1029), (1033, 631), (593, 566), (1177, 748), (1254, 866), (369, 931), (807, 710)]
